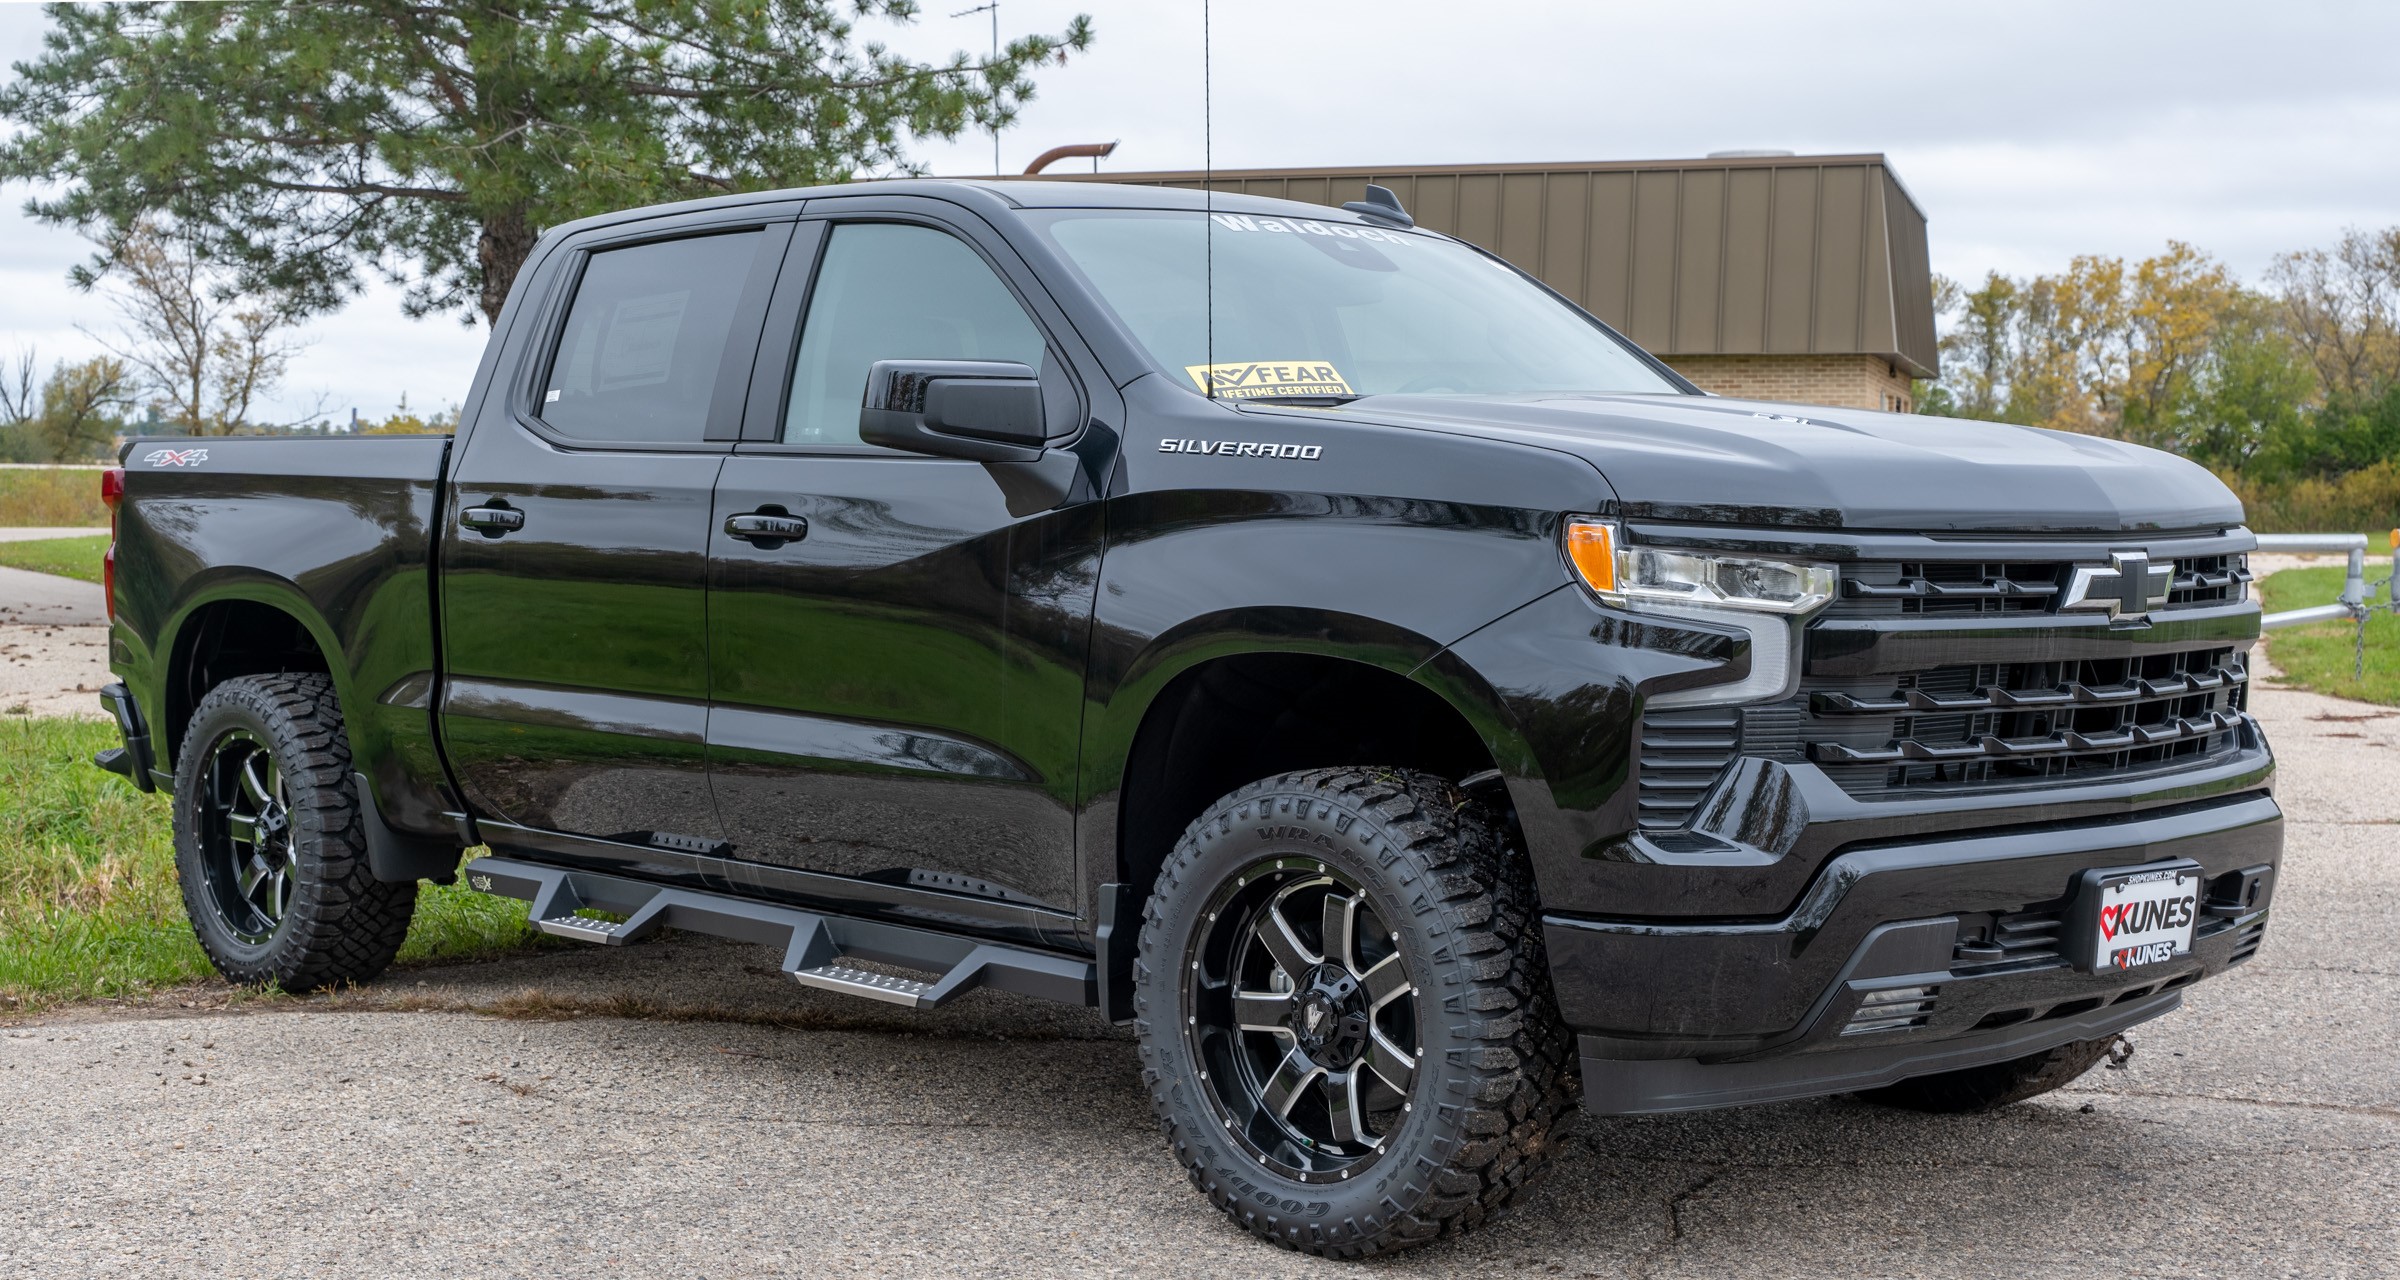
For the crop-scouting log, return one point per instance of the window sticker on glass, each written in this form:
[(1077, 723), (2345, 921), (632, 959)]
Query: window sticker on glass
[(1266, 379), (1300, 226), (640, 348)]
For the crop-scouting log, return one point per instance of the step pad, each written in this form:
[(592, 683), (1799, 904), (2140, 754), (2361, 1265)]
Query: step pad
[(852, 981), (584, 928), (828, 952)]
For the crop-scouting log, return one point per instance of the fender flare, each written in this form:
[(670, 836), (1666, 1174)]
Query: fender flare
[(392, 856)]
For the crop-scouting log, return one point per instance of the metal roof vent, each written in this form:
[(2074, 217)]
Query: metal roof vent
[(1757, 153)]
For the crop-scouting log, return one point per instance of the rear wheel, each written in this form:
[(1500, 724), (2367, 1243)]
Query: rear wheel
[(1344, 1012), (269, 845), (1995, 1085)]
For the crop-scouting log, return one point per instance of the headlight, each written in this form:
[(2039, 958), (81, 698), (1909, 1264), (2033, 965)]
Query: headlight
[(1630, 575), (1755, 594)]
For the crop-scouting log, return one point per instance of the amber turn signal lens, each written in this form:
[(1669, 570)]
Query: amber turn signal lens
[(1593, 550)]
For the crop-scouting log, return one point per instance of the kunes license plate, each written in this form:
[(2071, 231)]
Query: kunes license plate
[(2138, 917)]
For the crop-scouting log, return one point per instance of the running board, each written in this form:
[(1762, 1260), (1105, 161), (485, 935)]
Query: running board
[(818, 950)]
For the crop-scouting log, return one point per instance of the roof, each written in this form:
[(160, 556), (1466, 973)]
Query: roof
[(1020, 193), (1731, 255)]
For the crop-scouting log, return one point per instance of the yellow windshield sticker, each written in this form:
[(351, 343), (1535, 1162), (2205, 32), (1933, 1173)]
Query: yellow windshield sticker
[(1264, 379)]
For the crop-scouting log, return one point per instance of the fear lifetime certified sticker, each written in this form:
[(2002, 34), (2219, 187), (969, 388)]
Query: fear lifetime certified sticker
[(1266, 379)]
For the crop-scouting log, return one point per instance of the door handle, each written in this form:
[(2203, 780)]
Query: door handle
[(767, 529), (492, 522)]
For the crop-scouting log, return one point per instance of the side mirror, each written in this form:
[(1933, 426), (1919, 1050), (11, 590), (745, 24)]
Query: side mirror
[(982, 410)]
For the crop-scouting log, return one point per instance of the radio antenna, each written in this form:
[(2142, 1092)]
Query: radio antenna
[(1208, 203)]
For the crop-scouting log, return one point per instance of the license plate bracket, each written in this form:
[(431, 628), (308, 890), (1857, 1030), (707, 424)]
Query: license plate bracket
[(2127, 917)]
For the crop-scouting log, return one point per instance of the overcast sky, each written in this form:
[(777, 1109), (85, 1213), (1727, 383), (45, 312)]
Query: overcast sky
[(2029, 131)]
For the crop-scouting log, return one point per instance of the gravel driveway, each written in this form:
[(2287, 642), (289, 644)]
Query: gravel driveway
[(53, 642), (698, 1116)]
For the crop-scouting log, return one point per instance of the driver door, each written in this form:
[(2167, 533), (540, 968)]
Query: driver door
[(898, 691)]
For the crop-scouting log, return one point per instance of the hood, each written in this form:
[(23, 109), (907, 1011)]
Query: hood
[(1746, 462)]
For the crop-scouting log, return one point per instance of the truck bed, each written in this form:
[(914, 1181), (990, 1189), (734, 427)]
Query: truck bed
[(335, 531)]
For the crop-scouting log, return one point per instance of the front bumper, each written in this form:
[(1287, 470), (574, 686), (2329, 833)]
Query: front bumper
[(1902, 959)]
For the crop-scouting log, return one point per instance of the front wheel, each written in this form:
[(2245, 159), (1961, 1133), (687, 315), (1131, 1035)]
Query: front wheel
[(269, 845), (1344, 1012)]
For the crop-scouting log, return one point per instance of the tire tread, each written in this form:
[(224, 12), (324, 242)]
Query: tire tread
[(344, 925), (1517, 1080)]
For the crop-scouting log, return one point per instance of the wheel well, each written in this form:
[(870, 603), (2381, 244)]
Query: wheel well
[(231, 638), (1238, 719)]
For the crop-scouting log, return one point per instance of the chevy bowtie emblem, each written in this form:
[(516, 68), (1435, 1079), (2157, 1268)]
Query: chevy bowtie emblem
[(2127, 589)]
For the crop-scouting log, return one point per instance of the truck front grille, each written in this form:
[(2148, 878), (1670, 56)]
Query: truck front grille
[(1952, 588), (2008, 689), (1926, 674), (2024, 721)]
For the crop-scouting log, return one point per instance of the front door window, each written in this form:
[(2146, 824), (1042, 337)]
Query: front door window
[(891, 291)]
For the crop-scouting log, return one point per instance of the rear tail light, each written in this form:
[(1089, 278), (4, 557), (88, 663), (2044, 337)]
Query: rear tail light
[(112, 494)]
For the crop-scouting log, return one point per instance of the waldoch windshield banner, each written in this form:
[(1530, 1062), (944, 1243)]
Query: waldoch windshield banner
[(1264, 379), (1240, 222)]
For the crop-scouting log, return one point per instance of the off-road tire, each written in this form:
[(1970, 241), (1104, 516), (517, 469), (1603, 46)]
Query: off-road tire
[(342, 925), (1995, 1085), (1494, 1071)]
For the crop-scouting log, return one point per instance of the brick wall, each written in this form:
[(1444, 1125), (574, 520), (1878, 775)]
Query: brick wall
[(1847, 381)]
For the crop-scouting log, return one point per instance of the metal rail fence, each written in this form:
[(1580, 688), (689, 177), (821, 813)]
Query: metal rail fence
[(2357, 601)]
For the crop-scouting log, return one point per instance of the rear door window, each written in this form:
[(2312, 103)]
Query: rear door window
[(646, 339)]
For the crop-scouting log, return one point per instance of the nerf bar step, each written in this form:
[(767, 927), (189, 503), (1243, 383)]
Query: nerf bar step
[(817, 949)]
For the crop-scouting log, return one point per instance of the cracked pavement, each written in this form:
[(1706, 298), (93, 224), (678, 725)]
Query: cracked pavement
[(737, 1125)]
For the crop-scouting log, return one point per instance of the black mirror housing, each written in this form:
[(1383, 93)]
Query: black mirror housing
[(983, 410)]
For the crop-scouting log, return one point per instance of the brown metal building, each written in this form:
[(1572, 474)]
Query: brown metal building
[(1780, 277)]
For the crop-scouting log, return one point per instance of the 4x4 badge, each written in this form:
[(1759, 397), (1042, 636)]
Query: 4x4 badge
[(2128, 588)]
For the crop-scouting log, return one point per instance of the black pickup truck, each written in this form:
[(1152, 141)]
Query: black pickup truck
[(1305, 638)]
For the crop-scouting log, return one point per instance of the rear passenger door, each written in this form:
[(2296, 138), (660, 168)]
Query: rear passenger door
[(899, 691), (573, 598)]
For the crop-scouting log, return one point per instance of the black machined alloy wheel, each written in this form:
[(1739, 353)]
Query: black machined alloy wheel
[(1303, 1017), (245, 811), (1344, 1011), (270, 846)]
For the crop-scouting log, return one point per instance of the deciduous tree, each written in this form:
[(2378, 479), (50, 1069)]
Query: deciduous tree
[(71, 416), (2344, 307), (82, 407), (209, 353)]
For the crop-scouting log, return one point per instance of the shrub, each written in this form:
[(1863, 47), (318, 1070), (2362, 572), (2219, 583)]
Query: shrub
[(2368, 499), (43, 496)]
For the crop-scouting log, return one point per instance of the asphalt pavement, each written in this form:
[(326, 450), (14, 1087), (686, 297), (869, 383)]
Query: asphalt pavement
[(45, 599), (677, 1109)]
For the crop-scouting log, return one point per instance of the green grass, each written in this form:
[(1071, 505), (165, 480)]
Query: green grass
[(66, 557), (50, 497), (88, 899), (2319, 657)]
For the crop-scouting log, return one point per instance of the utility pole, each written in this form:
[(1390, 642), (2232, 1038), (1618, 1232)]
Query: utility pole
[(993, 9)]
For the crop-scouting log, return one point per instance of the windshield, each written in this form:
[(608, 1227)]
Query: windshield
[(1331, 310)]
